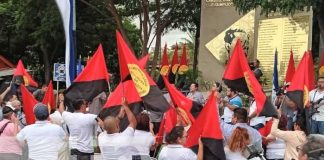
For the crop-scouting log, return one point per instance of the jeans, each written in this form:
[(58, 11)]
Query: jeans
[(317, 127)]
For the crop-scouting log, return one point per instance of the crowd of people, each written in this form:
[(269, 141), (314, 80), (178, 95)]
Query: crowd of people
[(78, 135)]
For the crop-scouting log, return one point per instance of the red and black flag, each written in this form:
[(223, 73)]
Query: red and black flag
[(239, 76), (168, 122), (190, 108), (21, 76), (49, 99), (29, 103), (183, 68), (164, 71), (207, 127), (184, 62), (146, 88), (290, 69), (114, 101), (302, 82), (174, 65), (90, 82)]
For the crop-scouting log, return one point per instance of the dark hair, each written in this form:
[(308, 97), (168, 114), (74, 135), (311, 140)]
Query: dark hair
[(233, 90), (41, 112), (77, 104), (219, 86), (196, 84), (241, 115), (44, 85), (175, 133), (143, 122), (301, 122), (283, 122)]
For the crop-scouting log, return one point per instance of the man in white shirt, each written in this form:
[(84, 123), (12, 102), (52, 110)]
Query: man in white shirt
[(316, 97), (114, 145), (231, 101), (256, 121), (44, 139), (195, 95), (81, 126)]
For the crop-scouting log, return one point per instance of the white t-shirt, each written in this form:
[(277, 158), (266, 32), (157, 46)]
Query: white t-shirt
[(44, 140), (258, 119), (176, 152), (143, 141), (314, 96), (82, 128), (117, 146), (56, 118), (276, 149)]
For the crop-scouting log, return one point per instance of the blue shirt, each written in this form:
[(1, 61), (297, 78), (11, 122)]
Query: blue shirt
[(236, 101)]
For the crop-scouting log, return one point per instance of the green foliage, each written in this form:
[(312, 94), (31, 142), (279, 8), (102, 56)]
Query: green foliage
[(28, 28), (284, 6)]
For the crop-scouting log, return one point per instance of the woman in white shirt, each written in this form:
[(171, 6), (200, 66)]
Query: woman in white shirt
[(143, 139), (175, 150)]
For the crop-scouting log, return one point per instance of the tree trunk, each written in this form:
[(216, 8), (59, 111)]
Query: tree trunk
[(196, 50), (113, 10), (145, 5), (47, 66), (159, 30)]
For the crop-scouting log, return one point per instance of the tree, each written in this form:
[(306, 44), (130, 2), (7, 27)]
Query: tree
[(33, 30), (287, 7)]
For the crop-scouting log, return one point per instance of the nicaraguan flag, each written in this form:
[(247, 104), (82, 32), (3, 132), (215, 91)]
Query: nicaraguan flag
[(275, 83), (67, 10)]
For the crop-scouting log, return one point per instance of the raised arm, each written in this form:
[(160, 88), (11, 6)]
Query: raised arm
[(130, 115)]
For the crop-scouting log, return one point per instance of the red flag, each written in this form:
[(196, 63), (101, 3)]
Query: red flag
[(22, 75), (29, 103), (239, 76), (165, 62), (115, 97), (290, 69), (168, 122), (90, 82), (144, 84), (174, 65), (183, 64), (191, 108), (207, 126), (49, 99), (302, 82), (175, 62)]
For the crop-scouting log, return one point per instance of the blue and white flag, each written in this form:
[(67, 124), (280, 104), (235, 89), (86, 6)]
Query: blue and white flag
[(275, 83), (67, 10)]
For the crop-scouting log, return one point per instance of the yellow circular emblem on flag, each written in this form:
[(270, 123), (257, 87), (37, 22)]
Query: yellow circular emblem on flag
[(26, 82), (321, 72), (142, 84), (248, 82), (183, 69), (175, 68), (164, 70)]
